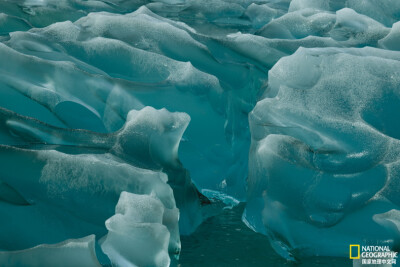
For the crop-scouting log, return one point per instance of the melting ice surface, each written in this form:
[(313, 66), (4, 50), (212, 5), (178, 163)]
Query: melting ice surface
[(125, 124)]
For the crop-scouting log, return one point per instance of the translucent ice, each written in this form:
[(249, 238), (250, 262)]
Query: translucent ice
[(121, 70), (115, 114), (139, 232), (72, 180), (385, 12), (72, 252), (325, 152)]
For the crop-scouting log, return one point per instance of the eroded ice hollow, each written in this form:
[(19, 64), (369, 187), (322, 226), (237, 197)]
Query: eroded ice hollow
[(96, 98)]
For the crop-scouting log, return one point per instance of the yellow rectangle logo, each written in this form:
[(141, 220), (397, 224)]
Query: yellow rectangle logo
[(354, 257)]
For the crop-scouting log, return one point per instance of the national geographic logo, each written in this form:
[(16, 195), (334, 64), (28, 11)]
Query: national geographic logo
[(373, 254)]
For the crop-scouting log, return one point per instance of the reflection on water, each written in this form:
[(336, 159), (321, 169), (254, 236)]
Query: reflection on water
[(224, 240)]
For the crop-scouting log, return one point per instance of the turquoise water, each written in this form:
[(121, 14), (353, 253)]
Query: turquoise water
[(224, 240)]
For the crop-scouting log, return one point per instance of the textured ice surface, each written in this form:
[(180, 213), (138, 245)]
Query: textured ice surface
[(140, 231), (72, 252), (109, 109), (324, 158), (72, 179), (116, 71), (386, 12)]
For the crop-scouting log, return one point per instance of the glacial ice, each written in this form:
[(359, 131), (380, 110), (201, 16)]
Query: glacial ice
[(158, 67), (72, 252), (80, 179), (140, 231), (325, 152), (123, 121), (386, 12)]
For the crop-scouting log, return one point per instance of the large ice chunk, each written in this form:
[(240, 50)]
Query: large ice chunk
[(346, 27), (72, 179), (325, 152), (85, 76), (149, 141), (139, 232)]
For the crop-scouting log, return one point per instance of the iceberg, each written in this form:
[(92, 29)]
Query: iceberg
[(126, 124), (130, 66), (72, 180), (324, 156)]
